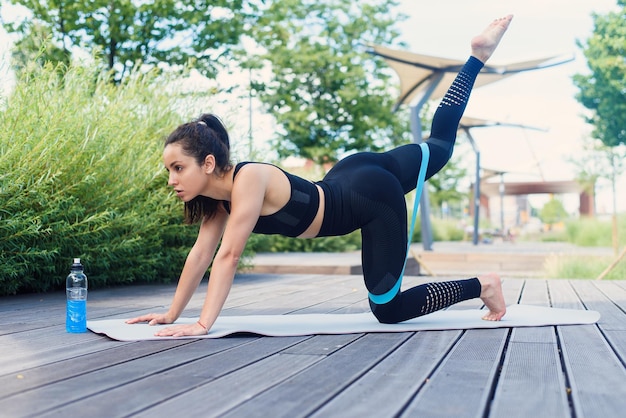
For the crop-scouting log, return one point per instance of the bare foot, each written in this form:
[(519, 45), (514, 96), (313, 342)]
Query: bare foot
[(491, 295), (484, 44)]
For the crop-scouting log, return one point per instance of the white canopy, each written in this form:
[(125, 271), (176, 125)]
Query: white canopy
[(415, 70)]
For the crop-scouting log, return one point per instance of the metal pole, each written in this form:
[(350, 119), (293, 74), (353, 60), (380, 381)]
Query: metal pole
[(418, 138), (476, 186), (476, 199), (502, 204), (427, 235)]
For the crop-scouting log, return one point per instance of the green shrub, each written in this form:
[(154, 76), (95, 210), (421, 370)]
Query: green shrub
[(576, 267), (552, 236), (81, 176), (592, 232), (279, 244), (447, 230), (588, 232), (442, 229)]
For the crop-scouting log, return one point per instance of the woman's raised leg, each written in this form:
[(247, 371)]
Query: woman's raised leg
[(446, 120)]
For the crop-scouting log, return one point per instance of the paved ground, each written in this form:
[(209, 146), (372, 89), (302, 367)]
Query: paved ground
[(520, 259)]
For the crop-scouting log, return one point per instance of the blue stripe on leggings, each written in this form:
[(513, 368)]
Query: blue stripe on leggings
[(391, 293)]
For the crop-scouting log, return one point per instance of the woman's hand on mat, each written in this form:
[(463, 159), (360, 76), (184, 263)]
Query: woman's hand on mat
[(182, 330), (152, 319)]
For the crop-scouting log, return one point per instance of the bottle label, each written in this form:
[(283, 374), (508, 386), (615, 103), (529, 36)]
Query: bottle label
[(76, 320), (76, 293)]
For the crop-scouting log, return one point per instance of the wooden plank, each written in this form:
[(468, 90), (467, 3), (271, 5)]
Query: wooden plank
[(615, 333), (42, 339), (32, 349), (461, 385), (391, 383), (167, 371), (322, 344), (24, 303), (216, 397), (50, 373), (532, 360), (179, 376), (597, 378), (512, 289), (305, 392), (595, 374), (607, 298)]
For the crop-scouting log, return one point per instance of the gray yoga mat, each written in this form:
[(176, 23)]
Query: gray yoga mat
[(310, 324)]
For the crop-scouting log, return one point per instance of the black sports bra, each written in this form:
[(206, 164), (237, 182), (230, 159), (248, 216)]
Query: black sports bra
[(297, 214)]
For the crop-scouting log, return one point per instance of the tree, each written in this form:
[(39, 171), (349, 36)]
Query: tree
[(599, 161), (132, 33), (552, 212), (603, 91), (327, 94)]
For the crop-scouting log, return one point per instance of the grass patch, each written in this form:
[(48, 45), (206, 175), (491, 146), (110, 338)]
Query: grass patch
[(592, 232), (583, 267)]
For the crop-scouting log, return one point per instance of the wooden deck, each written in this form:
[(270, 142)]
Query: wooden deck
[(569, 371)]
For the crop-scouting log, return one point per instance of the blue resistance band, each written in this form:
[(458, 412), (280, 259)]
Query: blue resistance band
[(391, 293)]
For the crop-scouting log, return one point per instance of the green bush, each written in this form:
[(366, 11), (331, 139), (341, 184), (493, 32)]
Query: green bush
[(81, 176), (447, 230), (576, 267), (279, 244), (592, 232), (589, 232), (442, 229)]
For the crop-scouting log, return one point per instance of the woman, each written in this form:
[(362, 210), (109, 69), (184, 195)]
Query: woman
[(364, 191)]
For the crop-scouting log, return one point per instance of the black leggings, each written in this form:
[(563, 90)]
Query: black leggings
[(366, 191)]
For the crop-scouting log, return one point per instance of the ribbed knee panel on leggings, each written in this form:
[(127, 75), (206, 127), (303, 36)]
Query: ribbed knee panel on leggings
[(424, 299)]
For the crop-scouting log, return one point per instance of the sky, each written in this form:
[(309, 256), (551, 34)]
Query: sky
[(542, 98)]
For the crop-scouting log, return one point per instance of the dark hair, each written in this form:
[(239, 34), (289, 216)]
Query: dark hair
[(199, 138)]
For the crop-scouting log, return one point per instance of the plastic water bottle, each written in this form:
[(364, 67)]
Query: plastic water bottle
[(76, 290)]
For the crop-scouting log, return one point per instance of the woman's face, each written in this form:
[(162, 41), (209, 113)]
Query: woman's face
[(187, 178)]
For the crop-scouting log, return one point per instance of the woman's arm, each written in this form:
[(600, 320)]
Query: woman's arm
[(196, 265), (198, 261), (247, 199)]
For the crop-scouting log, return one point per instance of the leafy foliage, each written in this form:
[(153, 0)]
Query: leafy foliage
[(590, 232), (277, 243), (604, 90), (81, 176), (132, 33), (327, 94), (553, 212)]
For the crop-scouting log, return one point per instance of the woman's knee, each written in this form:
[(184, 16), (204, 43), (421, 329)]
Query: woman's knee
[(386, 313)]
